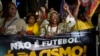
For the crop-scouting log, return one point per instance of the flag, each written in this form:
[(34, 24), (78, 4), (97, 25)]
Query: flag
[(92, 8), (85, 3), (62, 12)]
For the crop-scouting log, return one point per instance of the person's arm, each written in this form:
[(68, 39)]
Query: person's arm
[(42, 31), (76, 10), (66, 8), (2, 30), (44, 12), (21, 27)]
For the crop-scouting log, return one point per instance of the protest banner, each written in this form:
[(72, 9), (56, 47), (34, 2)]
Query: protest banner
[(77, 43)]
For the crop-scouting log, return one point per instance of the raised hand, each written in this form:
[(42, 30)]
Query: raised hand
[(43, 9), (78, 2), (48, 35), (66, 7)]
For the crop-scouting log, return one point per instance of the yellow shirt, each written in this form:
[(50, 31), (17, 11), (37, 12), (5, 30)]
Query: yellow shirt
[(80, 25), (34, 29)]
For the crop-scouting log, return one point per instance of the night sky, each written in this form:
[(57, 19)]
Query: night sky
[(55, 4), (52, 3)]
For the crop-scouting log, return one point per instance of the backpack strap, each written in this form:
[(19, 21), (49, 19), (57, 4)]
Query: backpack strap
[(10, 22)]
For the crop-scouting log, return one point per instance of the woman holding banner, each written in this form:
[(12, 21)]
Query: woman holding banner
[(52, 28)]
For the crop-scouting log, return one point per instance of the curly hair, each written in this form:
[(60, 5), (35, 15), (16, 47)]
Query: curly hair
[(51, 14), (28, 17)]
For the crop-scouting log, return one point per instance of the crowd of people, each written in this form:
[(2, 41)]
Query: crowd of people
[(44, 24)]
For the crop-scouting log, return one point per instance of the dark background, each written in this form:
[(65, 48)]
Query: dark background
[(30, 6)]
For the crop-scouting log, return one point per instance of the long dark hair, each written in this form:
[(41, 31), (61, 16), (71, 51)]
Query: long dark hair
[(81, 14)]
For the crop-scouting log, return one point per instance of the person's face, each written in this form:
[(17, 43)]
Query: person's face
[(54, 18), (31, 20), (11, 10)]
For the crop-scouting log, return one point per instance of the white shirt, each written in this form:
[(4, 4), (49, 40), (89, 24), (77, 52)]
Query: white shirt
[(52, 29)]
